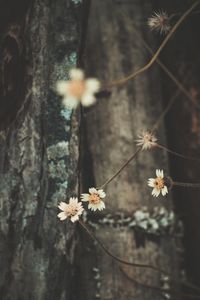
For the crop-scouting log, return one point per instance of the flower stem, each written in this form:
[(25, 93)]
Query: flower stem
[(176, 153), (170, 291), (156, 54), (166, 70), (186, 184), (91, 234), (179, 14), (121, 168)]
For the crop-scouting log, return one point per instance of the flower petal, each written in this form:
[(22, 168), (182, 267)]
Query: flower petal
[(85, 197), (101, 205), (92, 190), (62, 216), (159, 173), (74, 218), (101, 193), (92, 206), (88, 99), (62, 87), (76, 74), (151, 182), (80, 211), (92, 85), (164, 191), (73, 200), (63, 206), (156, 192)]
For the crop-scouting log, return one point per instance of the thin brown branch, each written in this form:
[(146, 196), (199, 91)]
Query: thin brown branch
[(167, 108), (91, 234), (186, 184), (156, 54), (121, 168), (170, 103), (165, 111), (176, 153), (179, 14), (172, 292), (158, 289), (165, 69)]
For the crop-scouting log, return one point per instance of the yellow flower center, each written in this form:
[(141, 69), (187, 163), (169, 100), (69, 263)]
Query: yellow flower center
[(72, 211), (76, 88), (159, 183), (94, 199)]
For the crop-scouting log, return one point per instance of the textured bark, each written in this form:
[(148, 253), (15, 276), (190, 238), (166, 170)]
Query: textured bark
[(39, 44), (113, 51)]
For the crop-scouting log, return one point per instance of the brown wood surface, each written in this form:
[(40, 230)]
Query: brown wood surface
[(111, 127)]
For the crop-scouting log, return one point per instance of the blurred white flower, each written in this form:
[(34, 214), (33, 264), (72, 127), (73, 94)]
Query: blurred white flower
[(73, 210), (146, 140), (158, 184), (159, 22), (94, 198), (78, 89)]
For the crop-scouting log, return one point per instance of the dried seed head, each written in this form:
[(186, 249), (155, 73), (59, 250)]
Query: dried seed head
[(159, 22), (146, 140)]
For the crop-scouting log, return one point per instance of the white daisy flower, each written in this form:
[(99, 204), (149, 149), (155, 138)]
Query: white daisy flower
[(159, 22), (78, 89), (94, 198), (158, 184), (146, 140), (72, 210)]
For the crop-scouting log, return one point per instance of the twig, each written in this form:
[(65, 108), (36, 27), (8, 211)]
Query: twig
[(186, 184), (179, 14), (115, 257), (172, 76), (156, 54), (165, 69), (91, 234), (121, 168), (159, 289), (176, 153), (165, 111)]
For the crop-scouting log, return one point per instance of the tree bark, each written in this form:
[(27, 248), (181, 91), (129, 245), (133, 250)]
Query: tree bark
[(39, 43), (111, 127)]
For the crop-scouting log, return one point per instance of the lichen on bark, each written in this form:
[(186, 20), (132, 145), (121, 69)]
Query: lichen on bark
[(37, 251)]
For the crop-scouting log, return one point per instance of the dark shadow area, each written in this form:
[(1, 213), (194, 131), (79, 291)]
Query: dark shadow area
[(12, 58), (182, 57)]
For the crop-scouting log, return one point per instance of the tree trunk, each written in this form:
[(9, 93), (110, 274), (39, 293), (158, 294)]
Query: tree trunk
[(39, 43), (111, 127)]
